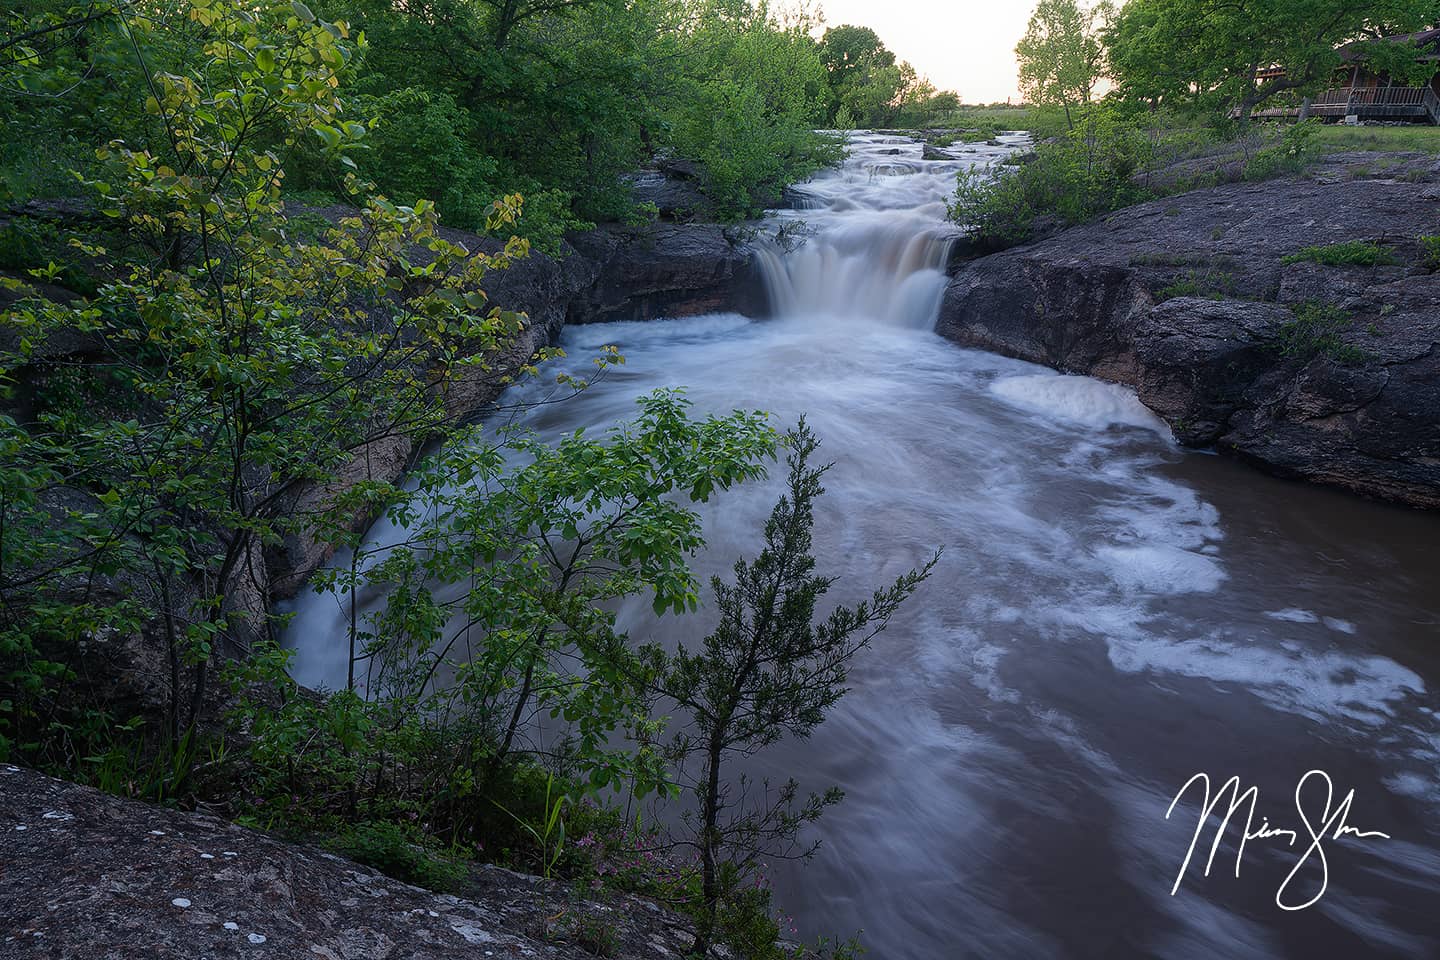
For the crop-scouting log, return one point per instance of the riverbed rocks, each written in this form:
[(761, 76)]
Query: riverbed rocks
[(89, 876), (1328, 373)]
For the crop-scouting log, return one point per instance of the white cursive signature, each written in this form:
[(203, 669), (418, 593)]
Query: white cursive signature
[(1330, 825)]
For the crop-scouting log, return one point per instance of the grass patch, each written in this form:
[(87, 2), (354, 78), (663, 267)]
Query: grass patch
[(1161, 259), (1041, 121), (1351, 253), (1211, 284), (1337, 138), (406, 854)]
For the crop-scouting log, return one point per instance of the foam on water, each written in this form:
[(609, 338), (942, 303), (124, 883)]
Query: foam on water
[(1079, 400)]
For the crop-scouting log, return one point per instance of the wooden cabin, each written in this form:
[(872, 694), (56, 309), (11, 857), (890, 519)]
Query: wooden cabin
[(1367, 94)]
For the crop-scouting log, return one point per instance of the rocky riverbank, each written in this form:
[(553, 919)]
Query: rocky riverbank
[(1212, 306), (87, 875)]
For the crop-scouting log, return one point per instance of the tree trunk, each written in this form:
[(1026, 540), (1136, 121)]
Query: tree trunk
[(516, 714), (709, 846), (506, 18)]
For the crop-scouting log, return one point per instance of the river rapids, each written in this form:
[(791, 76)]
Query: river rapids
[(1112, 616)]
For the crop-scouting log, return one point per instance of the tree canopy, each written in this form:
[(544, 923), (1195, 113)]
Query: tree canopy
[(1209, 51), (1060, 56), (867, 87)]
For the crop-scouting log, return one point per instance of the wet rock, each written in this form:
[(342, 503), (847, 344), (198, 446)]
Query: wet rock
[(665, 270), (673, 198), (1195, 358), (88, 876), (1357, 409)]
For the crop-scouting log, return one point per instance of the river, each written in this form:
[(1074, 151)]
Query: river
[(1112, 615)]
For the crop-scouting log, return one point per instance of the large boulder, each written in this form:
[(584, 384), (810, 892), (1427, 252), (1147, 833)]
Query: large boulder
[(88, 876), (1319, 372), (673, 187)]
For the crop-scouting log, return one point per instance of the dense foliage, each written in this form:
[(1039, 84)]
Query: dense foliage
[(1207, 53), (466, 100), (200, 355), (1088, 171)]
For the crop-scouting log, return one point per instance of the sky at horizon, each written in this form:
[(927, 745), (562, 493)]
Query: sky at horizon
[(963, 45)]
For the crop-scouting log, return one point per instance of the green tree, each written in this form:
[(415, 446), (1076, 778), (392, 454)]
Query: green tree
[(749, 107), (769, 669), (496, 610), (238, 365), (1060, 56), (862, 74), (544, 549)]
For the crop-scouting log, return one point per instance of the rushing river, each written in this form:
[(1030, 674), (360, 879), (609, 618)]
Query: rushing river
[(1112, 615)]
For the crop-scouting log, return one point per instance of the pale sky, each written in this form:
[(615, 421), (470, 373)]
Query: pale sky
[(963, 45)]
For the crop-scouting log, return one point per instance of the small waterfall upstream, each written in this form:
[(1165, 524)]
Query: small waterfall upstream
[(876, 236), (1112, 615)]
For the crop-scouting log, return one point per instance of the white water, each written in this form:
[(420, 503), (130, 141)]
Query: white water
[(1111, 616)]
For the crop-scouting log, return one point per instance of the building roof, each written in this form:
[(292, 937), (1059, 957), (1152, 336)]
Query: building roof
[(1427, 40)]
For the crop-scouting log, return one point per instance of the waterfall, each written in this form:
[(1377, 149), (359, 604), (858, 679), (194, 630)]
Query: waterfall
[(879, 240)]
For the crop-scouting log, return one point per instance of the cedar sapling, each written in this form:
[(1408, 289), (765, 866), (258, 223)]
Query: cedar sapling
[(769, 669)]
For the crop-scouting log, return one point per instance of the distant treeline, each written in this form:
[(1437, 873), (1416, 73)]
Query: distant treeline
[(468, 100)]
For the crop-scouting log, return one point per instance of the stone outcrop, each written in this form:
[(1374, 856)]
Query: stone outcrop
[(665, 269), (672, 186), (1324, 373), (88, 876)]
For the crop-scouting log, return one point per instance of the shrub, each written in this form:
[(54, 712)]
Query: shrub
[(548, 216), (1317, 330), (1430, 250), (404, 853), (1297, 149), (1214, 284), (1088, 173)]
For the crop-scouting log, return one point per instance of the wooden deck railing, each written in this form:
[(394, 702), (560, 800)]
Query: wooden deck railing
[(1378, 102)]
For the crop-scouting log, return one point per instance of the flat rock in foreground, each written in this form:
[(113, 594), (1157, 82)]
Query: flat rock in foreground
[(88, 876)]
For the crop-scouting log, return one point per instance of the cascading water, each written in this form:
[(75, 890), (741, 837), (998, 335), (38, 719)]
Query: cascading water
[(1112, 615), (878, 238)]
